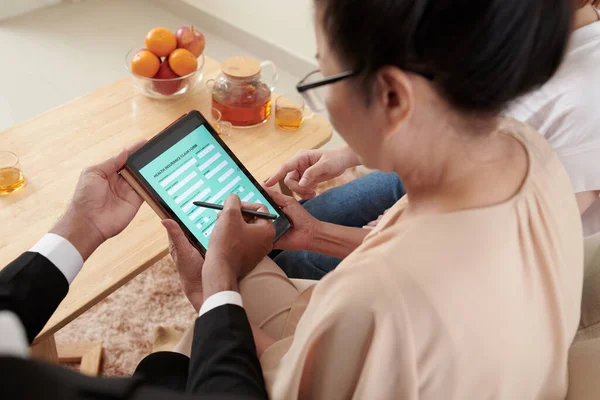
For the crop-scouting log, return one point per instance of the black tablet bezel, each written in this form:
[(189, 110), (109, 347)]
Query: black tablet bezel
[(170, 136)]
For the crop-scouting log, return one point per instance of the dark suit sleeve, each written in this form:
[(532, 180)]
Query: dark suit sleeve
[(32, 287), (224, 356)]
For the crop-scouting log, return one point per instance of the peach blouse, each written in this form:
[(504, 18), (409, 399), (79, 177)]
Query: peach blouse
[(476, 304)]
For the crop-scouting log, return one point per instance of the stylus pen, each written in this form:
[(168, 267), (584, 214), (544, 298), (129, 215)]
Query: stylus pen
[(250, 213)]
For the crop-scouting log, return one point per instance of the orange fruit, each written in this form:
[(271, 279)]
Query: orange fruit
[(161, 41), (145, 63), (183, 62)]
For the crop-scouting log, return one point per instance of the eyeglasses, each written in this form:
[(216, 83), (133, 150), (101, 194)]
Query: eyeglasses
[(312, 86)]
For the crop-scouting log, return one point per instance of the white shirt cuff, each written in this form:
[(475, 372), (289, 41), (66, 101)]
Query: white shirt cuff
[(61, 253), (14, 341), (220, 299)]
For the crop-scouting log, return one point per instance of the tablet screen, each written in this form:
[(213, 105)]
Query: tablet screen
[(197, 168)]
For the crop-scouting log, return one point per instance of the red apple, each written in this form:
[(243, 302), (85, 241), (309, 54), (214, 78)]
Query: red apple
[(190, 39), (167, 87)]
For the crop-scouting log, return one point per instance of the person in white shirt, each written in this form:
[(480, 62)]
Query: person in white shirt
[(564, 110)]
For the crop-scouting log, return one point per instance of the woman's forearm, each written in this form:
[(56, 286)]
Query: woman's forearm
[(349, 157), (336, 240), (586, 199)]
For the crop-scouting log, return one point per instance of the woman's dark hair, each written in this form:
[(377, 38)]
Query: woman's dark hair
[(482, 53)]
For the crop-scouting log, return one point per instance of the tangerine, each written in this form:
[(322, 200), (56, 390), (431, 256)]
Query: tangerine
[(145, 63), (183, 62), (161, 41)]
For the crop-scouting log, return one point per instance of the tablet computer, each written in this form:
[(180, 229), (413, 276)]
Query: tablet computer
[(189, 162)]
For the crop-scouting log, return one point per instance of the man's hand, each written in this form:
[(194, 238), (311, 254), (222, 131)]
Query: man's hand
[(189, 263), (300, 236), (307, 169), (102, 206), (236, 246)]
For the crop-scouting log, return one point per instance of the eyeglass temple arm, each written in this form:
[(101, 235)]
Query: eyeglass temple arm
[(303, 87)]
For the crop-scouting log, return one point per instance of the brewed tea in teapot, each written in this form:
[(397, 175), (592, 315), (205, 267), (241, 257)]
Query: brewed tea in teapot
[(242, 93)]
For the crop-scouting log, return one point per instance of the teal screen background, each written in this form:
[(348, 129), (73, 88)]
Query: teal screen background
[(198, 169)]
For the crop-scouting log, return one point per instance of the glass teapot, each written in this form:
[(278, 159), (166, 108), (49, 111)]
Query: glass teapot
[(242, 93)]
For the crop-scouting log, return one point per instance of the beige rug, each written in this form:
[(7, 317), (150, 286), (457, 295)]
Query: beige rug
[(127, 320)]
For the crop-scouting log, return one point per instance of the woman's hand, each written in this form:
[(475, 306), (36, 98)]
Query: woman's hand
[(237, 244), (373, 224), (300, 236), (189, 263), (102, 206), (304, 171)]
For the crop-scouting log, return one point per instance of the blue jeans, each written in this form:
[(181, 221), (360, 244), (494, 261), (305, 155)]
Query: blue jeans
[(354, 204)]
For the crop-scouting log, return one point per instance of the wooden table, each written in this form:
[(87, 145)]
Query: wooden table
[(54, 147)]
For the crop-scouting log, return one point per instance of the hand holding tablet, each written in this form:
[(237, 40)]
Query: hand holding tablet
[(187, 163)]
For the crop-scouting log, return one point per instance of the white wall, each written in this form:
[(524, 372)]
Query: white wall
[(285, 23), (11, 8)]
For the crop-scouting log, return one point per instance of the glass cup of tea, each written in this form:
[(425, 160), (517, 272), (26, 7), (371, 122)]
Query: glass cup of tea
[(223, 128), (290, 112), (11, 176)]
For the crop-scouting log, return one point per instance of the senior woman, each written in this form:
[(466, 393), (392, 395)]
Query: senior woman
[(470, 286)]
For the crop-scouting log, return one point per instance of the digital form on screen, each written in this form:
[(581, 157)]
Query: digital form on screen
[(198, 169)]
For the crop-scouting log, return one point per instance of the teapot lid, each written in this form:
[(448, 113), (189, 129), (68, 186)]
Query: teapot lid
[(240, 67)]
